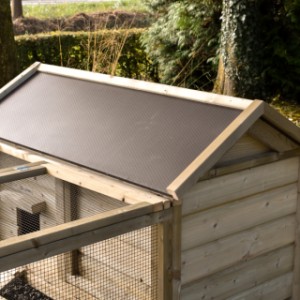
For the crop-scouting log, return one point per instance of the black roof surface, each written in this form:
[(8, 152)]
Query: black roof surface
[(140, 137)]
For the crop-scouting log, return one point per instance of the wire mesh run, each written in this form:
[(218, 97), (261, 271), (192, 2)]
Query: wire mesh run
[(124, 267)]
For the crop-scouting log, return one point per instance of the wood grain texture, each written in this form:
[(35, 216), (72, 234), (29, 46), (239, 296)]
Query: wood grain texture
[(215, 223), (245, 147), (217, 191), (216, 256), (241, 277), (271, 137), (296, 279), (279, 288)]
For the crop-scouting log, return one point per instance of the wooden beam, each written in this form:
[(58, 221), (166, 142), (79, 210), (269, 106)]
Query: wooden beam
[(13, 84), (282, 123), (271, 137), (208, 158), (35, 246), (22, 172), (161, 89), (88, 179), (296, 278), (66, 208)]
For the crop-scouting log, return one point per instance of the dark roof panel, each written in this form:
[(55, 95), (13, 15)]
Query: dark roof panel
[(144, 138)]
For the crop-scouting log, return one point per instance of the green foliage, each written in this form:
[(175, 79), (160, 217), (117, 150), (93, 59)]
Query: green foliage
[(281, 30), (184, 41), (116, 52), (61, 10)]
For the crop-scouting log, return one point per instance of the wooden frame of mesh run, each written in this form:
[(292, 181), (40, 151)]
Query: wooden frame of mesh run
[(67, 237)]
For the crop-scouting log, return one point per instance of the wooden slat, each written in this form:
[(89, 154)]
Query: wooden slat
[(88, 179), (209, 157), (296, 280), (277, 289), (241, 277), (106, 286), (243, 164), (220, 190), (104, 251), (10, 200), (172, 91), (216, 256), (271, 137), (22, 172), (62, 238), (215, 223), (282, 123), (245, 147), (17, 81)]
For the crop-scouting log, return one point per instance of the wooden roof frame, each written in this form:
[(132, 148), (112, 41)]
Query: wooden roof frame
[(252, 110)]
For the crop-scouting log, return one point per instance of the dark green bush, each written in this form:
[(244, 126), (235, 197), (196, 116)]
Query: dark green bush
[(184, 41), (117, 52)]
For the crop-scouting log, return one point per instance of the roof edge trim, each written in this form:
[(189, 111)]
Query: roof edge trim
[(85, 178), (18, 80), (156, 88), (208, 158), (272, 116)]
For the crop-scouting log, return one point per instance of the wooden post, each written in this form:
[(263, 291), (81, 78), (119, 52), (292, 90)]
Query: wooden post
[(169, 251), (66, 211), (296, 283)]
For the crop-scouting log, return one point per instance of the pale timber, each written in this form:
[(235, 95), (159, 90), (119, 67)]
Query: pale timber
[(215, 223), (271, 137), (87, 179), (220, 190), (241, 277), (276, 289), (21, 172), (216, 256), (66, 237), (296, 280)]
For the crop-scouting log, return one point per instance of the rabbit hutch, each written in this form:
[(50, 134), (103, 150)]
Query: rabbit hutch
[(113, 188)]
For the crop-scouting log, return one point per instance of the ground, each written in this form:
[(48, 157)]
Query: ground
[(82, 22)]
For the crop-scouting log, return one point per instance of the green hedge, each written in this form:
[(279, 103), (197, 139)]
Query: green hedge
[(116, 52)]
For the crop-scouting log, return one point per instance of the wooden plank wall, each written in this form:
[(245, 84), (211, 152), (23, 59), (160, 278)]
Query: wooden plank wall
[(238, 234)]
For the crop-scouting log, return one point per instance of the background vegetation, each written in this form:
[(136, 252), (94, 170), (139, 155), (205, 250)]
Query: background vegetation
[(180, 48)]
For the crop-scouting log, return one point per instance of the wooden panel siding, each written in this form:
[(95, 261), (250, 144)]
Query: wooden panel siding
[(246, 146), (276, 289), (215, 223), (90, 203), (216, 256), (223, 189), (241, 277)]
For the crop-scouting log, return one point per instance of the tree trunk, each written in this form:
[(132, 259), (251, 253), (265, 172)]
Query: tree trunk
[(17, 9), (8, 56), (239, 72)]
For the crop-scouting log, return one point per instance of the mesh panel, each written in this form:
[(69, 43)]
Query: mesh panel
[(41, 202), (123, 267)]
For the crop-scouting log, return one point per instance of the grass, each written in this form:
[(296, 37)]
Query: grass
[(47, 11)]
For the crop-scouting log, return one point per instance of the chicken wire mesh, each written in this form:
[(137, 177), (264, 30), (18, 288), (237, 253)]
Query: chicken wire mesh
[(122, 267)]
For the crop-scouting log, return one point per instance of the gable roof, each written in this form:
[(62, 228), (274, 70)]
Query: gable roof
[(148, 134)]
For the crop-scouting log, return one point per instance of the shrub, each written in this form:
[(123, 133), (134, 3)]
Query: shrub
[(184, 41), (115, 52)]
